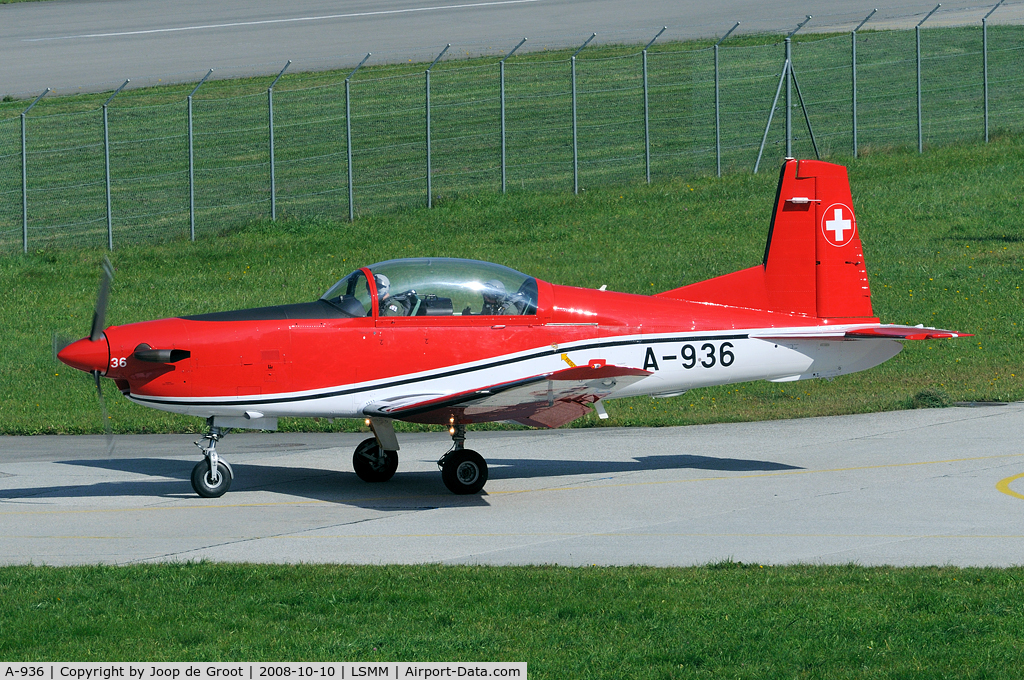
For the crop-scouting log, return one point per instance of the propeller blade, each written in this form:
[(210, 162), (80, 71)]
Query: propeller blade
[(106, 418), (100, 314), (59, 343)]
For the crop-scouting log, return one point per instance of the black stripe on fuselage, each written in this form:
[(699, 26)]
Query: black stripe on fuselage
[(305, 311), (446, 374)]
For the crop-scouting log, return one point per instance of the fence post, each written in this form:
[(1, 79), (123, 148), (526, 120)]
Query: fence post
[(853, 68), (191, 165), (920, 135), (789, 101), (106, 166), (984, 68), (348, 137), (984, 58), (853, 89), (575, 152), (501, 73), (270, 117), (430, 200), (771, 114), (647, 110), (24, 174), (718, 106), (917, 35)]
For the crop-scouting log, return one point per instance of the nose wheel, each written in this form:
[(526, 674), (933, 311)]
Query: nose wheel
[(208, 485)]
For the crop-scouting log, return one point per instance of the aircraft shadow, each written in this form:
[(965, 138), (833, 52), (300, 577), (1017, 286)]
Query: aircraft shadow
[(411, 490), (520, 468), (421, 490)]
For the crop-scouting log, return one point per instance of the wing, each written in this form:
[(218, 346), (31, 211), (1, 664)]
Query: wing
[(888, 331), (546, 400)]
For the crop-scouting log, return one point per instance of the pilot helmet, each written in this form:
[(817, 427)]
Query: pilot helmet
[(494, 291), (383, 285)]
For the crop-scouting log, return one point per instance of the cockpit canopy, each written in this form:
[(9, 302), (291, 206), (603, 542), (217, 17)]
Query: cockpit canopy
[(436, 286)]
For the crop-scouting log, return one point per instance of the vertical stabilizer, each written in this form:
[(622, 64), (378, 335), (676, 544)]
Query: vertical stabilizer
[(813, 260)]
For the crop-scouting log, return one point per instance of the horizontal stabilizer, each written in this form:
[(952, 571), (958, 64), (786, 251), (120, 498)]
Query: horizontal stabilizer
[(887, 331), (905, 333)]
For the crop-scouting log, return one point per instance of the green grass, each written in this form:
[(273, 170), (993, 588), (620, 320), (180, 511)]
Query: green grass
[(723, 620), (943, 238), (149, 148)]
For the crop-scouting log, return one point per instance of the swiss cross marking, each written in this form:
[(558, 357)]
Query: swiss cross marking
[(837, 224)]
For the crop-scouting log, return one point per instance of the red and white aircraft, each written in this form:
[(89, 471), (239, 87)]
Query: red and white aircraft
[(454, 342)]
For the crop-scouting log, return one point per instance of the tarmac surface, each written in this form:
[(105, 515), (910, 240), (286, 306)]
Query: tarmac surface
[(926, 487), (94, 45)]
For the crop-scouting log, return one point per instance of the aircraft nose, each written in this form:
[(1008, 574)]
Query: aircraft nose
[(86, 355)]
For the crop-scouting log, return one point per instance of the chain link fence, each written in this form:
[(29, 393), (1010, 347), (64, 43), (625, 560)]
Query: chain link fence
[(149, 166)]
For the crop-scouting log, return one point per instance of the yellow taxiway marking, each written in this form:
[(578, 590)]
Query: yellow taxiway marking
[(784, 473), (1004, 486)]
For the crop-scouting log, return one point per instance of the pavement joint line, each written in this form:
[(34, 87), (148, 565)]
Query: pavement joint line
[(251, 539), (557, 535), (951, 421)]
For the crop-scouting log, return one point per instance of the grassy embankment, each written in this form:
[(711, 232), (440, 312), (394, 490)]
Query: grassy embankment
[(942, 233)]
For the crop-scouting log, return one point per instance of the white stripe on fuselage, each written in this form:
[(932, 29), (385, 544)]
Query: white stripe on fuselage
[(677, 362)]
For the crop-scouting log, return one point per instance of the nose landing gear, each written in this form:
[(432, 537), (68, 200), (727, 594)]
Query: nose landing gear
[(211, 477)]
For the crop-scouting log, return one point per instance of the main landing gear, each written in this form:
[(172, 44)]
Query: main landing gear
[(211, 477), (372, 463), (463, 471)]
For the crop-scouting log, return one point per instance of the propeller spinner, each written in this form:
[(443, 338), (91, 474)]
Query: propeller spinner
[(91, 354)]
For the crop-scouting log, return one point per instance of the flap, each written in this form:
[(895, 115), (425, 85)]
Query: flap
[(546, 400)]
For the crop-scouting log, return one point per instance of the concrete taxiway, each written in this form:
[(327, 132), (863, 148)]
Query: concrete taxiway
[(941, 486), (93, 45)]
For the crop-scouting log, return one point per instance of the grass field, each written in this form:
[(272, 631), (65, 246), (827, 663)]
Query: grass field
[(942, 233), (724, 620)]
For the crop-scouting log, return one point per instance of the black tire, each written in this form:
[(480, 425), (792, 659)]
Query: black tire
[(464, 472), (201, 480), (370, 466)]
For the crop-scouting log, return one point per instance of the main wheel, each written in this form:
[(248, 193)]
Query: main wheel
[(464, 471), (204, 486), (372, 464)]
